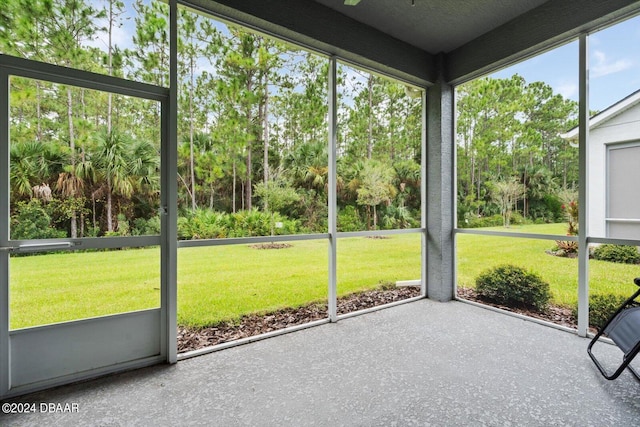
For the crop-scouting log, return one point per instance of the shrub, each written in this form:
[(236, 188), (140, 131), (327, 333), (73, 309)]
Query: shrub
[(517, 218), (566, 247), (617, 253), (349, 219), (484, 221), (146, 227), (514, 287), (202, 224), (601, 308), (31, 221), (398, 217)]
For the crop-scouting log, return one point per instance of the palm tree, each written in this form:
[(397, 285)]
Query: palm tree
[(124, 167), (32, 163), (112, 168), (308, 166)]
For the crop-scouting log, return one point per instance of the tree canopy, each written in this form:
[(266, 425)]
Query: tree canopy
[(248, 105)]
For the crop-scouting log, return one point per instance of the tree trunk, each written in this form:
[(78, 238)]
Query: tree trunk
[(72, 147), (247, 182), (370, 118), (191, 131), (109, 207), (375, 218), (38, 113), (265, 135), (233, 192), (110, 66)]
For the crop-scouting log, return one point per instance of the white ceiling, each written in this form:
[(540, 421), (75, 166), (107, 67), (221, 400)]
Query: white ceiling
[(434, 25)]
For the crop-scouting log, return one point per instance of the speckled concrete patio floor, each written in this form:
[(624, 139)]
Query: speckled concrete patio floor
[(422, 363)]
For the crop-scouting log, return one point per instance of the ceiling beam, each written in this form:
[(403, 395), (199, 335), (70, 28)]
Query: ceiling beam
[(327, 31), (540, 29)]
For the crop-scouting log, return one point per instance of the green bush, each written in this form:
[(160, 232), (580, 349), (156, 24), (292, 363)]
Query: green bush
[(202, 224), (31, 221), (517, 218), (485, 221), (617, 253), (601, 308), (398, 217), (349, 219), (146, 227), (514, 287), (207, 224)]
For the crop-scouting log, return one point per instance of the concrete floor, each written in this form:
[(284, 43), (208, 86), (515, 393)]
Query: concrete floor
[(423, 363)]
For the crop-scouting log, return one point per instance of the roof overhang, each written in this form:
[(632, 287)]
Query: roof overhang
[(606, 115), (452, 40)]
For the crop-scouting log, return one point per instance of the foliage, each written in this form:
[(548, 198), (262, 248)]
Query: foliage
[(617, 253), (566, 247), (546, 210), (247, 105), (601, 308), (32, 221), (510, 128), (506, 194), (514, 287), (491, 221), (207, 224), (146, 227), (395, 217), (375, 186), (202, 224), (349, 219), (312, 211), (476, 253), (275, 195), (123, 227), (569, 206)]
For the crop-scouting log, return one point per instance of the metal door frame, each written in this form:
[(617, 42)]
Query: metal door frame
[(36, 358)]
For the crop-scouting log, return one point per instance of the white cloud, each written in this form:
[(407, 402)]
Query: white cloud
[(567, 90), (601, 65)]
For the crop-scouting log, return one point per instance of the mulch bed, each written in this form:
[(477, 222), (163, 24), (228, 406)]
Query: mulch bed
[(554, 314), (192, 339), (271, 246)]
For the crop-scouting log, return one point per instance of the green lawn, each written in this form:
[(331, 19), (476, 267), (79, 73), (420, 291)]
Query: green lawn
[(477, 253), (214, 283), (225, 282)]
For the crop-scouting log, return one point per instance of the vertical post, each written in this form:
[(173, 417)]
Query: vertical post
[(332, 196), (423, 197), (169, 195), (440, 184), (583, 194), (5, 345)]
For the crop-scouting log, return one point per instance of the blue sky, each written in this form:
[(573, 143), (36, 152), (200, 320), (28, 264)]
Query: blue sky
[(614, 63)]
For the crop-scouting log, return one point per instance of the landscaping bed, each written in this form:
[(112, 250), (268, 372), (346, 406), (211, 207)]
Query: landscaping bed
[(554, 314), (192, 339)]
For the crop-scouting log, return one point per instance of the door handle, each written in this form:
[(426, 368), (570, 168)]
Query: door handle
[(34, 247)]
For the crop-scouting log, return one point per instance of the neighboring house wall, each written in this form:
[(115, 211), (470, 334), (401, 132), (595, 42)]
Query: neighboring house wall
[(623, 177), (614, 173)]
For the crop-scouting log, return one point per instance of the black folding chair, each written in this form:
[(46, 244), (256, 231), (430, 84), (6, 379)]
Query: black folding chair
[(623, 328)]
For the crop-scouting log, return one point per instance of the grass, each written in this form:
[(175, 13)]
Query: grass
[(478, 253), (226, 282), (214, 283)]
